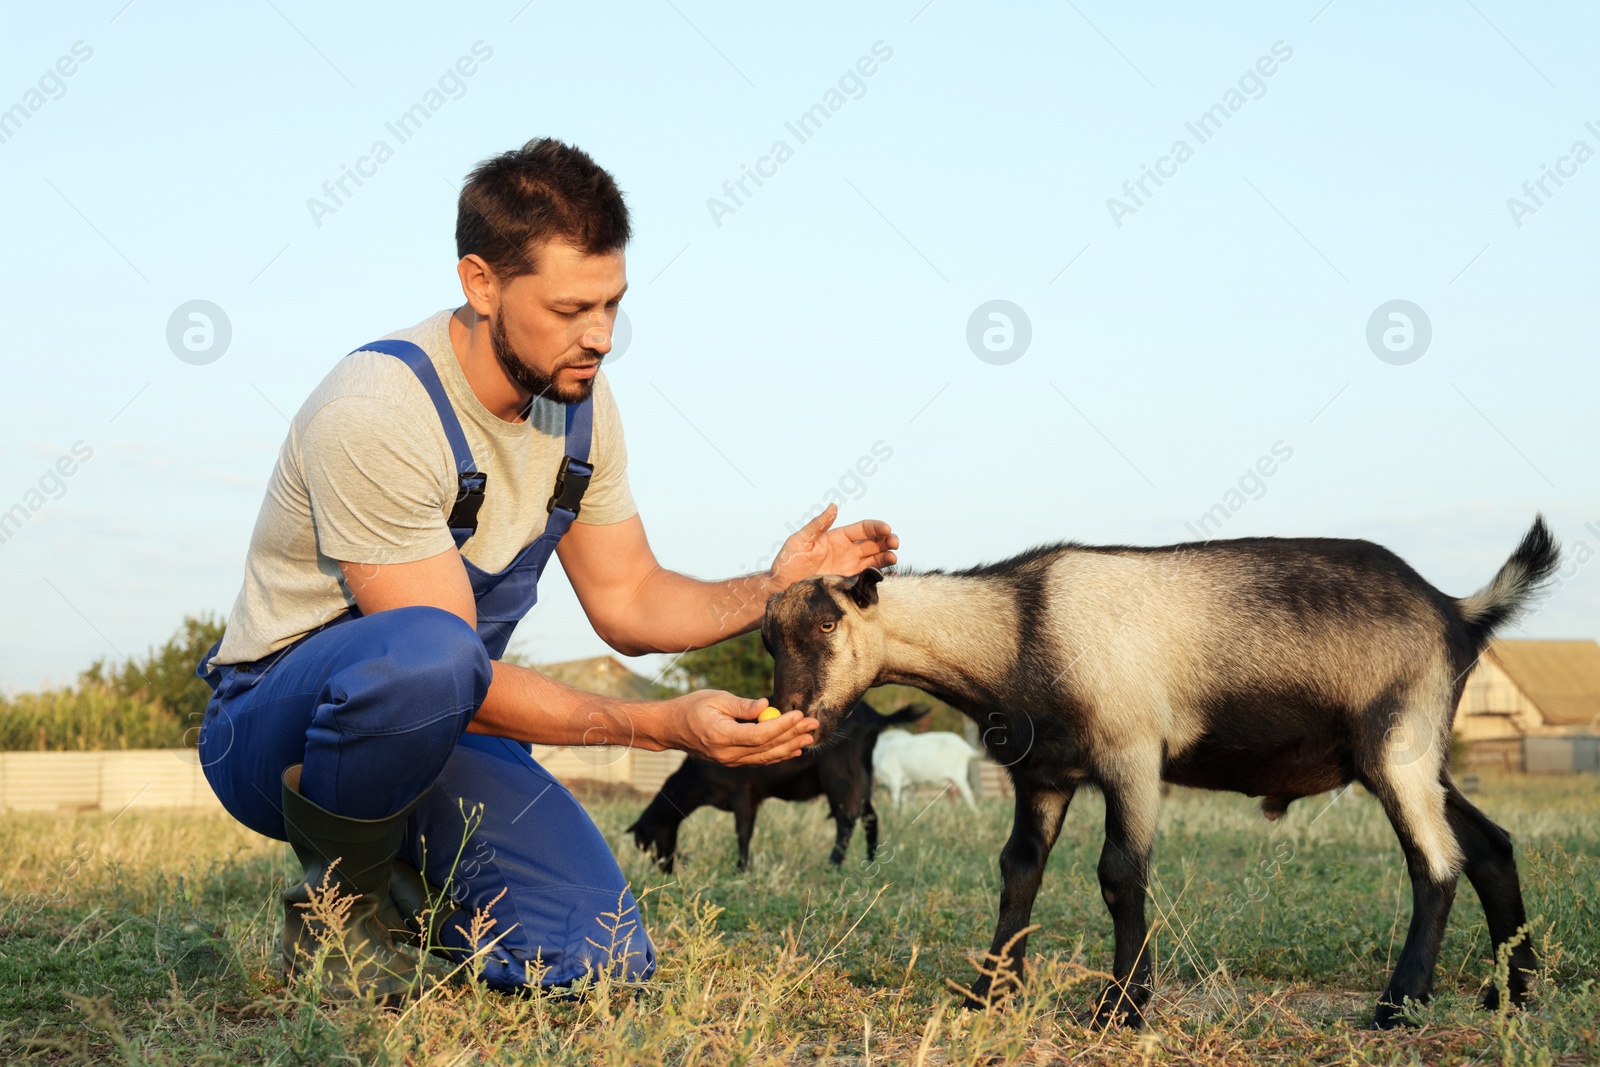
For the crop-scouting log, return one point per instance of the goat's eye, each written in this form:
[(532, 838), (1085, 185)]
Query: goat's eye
[(827, 627)]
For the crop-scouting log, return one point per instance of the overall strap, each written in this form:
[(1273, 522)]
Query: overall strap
[(470, 484), (572, 481)]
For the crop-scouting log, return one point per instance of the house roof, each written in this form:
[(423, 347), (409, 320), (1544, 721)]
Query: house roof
[(605, 675), (1562, 678)]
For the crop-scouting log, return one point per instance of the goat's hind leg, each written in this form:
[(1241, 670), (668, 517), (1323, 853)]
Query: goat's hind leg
[(1022, 860), (869, 823), (1133, 805), (1409, 788), (1491, 867), (965, 789)]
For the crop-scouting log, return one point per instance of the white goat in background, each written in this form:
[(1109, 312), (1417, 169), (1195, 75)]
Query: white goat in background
[(937, 758)]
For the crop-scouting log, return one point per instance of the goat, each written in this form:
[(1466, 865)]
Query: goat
[(841, 770), (937, 758), (1279, 668)]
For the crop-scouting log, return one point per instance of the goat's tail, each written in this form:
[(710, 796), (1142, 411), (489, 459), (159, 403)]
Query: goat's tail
[(1518, 581), (905, 716)]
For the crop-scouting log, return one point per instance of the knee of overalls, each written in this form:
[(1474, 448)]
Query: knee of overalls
[(431, 666)]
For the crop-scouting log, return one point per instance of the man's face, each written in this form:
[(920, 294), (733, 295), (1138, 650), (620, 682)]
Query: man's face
[(553, 328)]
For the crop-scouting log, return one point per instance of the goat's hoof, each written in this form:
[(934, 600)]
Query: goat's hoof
[(1389, 1015), (986, 1002), (1491, 997), (1126, 1017), (1118, 1008), (976, 996), (982, 995)]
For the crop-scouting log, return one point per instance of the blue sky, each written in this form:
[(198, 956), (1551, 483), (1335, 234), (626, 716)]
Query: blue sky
[(827, 314)]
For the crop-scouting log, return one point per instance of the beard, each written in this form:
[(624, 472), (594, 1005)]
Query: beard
[(530, 380)]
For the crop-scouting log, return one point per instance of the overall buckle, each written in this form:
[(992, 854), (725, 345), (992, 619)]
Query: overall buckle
[(572, 481), (470, 488)]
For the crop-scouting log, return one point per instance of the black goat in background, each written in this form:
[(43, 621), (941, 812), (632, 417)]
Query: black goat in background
[(841, 770)]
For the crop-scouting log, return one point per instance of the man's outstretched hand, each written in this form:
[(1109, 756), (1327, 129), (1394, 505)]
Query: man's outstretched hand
[(720, 726), (816, 549)]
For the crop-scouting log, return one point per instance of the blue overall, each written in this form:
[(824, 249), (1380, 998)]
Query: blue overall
[(376, 708)]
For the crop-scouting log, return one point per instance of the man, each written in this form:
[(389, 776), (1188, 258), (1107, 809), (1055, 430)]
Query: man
[(361, 709)]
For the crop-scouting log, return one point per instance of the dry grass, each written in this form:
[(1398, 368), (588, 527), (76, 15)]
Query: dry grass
[(151, 939)]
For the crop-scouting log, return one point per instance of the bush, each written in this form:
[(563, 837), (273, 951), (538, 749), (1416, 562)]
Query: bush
[(84, 718), (166, 675), (154, 702), (739, 665), (888, 699)]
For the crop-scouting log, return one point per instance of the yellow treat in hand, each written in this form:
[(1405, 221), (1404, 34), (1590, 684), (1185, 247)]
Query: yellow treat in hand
[(768, 713)]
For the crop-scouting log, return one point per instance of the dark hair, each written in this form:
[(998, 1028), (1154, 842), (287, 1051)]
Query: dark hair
[(542, 191)]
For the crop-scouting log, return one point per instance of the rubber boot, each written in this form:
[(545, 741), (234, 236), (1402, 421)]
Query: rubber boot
[(354, 857), (413, 901)]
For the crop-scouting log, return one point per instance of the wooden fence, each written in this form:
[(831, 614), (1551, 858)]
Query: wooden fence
[(117, 781), (113, 781), (1573, 754)]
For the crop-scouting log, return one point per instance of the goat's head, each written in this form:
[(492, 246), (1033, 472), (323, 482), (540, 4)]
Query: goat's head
[(656, 836), (827, 645)]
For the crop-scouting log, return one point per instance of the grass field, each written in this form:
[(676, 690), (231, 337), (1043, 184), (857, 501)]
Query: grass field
[(151, 938)]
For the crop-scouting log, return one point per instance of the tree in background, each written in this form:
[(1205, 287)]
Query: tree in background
[(889, 699), (166, 675), (739, 665)]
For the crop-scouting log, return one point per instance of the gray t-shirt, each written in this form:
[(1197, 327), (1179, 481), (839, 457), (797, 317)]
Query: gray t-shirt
[(366, 476)]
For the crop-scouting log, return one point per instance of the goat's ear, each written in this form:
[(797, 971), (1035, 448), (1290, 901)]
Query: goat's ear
[(863, 588)]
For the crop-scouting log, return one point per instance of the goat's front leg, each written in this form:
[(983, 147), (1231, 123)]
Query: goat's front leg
[(1033, 833), (1133, 802), (744, 824), (844, 821)]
